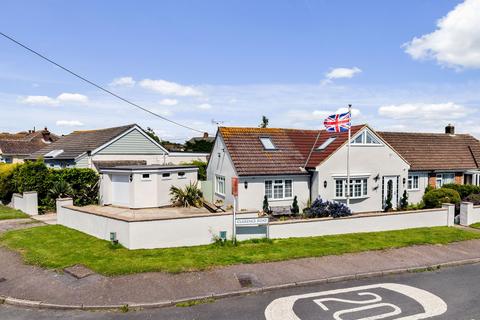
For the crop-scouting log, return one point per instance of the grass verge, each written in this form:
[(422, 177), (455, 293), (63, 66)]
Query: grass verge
[(57, 247), (475, 225), (9, 213)]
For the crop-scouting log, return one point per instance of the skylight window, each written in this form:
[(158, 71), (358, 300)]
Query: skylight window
[(326, 143), (267, 143), (53, 153)]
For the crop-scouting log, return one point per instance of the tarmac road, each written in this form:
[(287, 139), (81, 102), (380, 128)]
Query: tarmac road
[(452, 293)]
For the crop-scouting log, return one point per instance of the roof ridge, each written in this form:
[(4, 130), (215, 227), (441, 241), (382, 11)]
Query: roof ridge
[(104, 129)]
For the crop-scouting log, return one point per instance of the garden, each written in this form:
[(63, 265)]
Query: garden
[(80, 184)]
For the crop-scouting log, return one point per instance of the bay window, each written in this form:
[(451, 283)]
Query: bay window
[(278, 189)]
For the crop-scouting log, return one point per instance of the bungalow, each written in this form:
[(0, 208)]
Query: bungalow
[(125, 145), (284, 163), (15, 147), (437, 159)]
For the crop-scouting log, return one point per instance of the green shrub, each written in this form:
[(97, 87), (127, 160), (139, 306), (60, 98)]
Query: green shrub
[(435, 198), (190, 196), (49, 184), (404, 200), (265, 206), (295, 208), (202, 168), (463, 189)]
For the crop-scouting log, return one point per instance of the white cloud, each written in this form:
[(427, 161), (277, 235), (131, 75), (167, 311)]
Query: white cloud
[(339, 73), (424, 111), (169, 88), (69, 123), (168, 102), (123, 82), (204, 106), (39, 100), (49, 101), (319, 115), (456, 42), (72, 98)]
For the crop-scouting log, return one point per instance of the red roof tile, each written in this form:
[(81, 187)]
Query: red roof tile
[(293, 147)]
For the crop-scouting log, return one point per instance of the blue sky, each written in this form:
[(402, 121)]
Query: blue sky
[(232, 61)]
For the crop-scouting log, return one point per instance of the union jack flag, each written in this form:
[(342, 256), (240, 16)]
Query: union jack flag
[(338, 122)]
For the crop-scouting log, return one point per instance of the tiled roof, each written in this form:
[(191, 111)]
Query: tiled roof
[(293, 147), (79, 142), (436, 151), (25, 143)]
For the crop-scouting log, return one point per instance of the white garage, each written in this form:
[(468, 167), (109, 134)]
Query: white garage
[(143, 186)]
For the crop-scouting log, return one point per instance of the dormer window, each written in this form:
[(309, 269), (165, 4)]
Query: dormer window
[(366, 138), (326, 143), (267, 143)]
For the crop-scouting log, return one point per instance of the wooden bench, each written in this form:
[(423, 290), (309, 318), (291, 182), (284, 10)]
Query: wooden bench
[(281, 211)]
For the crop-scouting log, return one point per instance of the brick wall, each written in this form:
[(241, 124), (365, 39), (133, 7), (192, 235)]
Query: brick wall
[(459, 177), (432, 180)]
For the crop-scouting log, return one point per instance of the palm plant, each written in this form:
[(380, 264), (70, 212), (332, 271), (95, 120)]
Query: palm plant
[(61, 189), (190, 196)]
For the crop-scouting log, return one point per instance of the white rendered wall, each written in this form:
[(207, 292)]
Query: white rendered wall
[(94, 225), (415, 196), (469, 214), (372, 160), (183, 157), (26, 202), (356, 224), (251, 198)]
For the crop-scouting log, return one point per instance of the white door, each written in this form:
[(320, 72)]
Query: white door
[(390, 185), (121, 190)]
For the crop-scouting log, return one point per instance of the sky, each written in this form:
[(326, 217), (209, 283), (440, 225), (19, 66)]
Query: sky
[(404, 65)]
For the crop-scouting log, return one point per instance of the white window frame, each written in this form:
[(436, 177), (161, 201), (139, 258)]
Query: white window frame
[(411, 181), (441, 177), (218, 181), (183, 176), (267, 143), (169, 177), (356, 183), (363, 135), (149, 178), (280, 184)]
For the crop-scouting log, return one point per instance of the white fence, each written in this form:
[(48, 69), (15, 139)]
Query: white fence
[(364, 223), (469, 214), (26, 202), (191, 231)]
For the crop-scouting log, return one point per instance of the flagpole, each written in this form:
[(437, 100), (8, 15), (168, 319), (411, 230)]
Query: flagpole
[(348, 155)]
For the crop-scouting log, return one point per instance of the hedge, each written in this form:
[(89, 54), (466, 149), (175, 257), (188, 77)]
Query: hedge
[(35, 176), (463, 189)]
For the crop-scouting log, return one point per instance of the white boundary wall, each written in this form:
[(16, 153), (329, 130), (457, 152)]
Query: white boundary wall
[(364, 223), (149, 234), (26, 202), (469, 214), (201, 230)]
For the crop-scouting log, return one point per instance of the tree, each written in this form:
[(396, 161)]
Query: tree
[(199, 146), (202, 168), (404, 200), (295, 208), (264, 123), (388, 201), (152, 135), (266, 206), (190, 196)]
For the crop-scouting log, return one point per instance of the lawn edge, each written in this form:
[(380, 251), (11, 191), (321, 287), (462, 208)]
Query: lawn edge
[(216, 296)]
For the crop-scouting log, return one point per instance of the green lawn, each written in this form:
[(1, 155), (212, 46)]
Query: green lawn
[(9, 213), (475, 225), (58, 247)]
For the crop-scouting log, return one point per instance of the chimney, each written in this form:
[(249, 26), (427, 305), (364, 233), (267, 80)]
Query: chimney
[(450, 129), (46, 135), (205, 135)]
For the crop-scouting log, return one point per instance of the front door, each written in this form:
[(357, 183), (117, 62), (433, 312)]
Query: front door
[(121, 190), (390, 190)]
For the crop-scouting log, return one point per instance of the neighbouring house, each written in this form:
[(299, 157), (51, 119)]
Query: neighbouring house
[(437, 159), (15, 147), (125, 145), (143, 186), (284, 163)]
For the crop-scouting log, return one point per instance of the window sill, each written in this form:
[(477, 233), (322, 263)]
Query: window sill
[(413, 190), (351, 198), (219, 194), (284, 199)]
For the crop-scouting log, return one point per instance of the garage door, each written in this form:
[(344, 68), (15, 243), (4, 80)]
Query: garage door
[(121, 190)]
